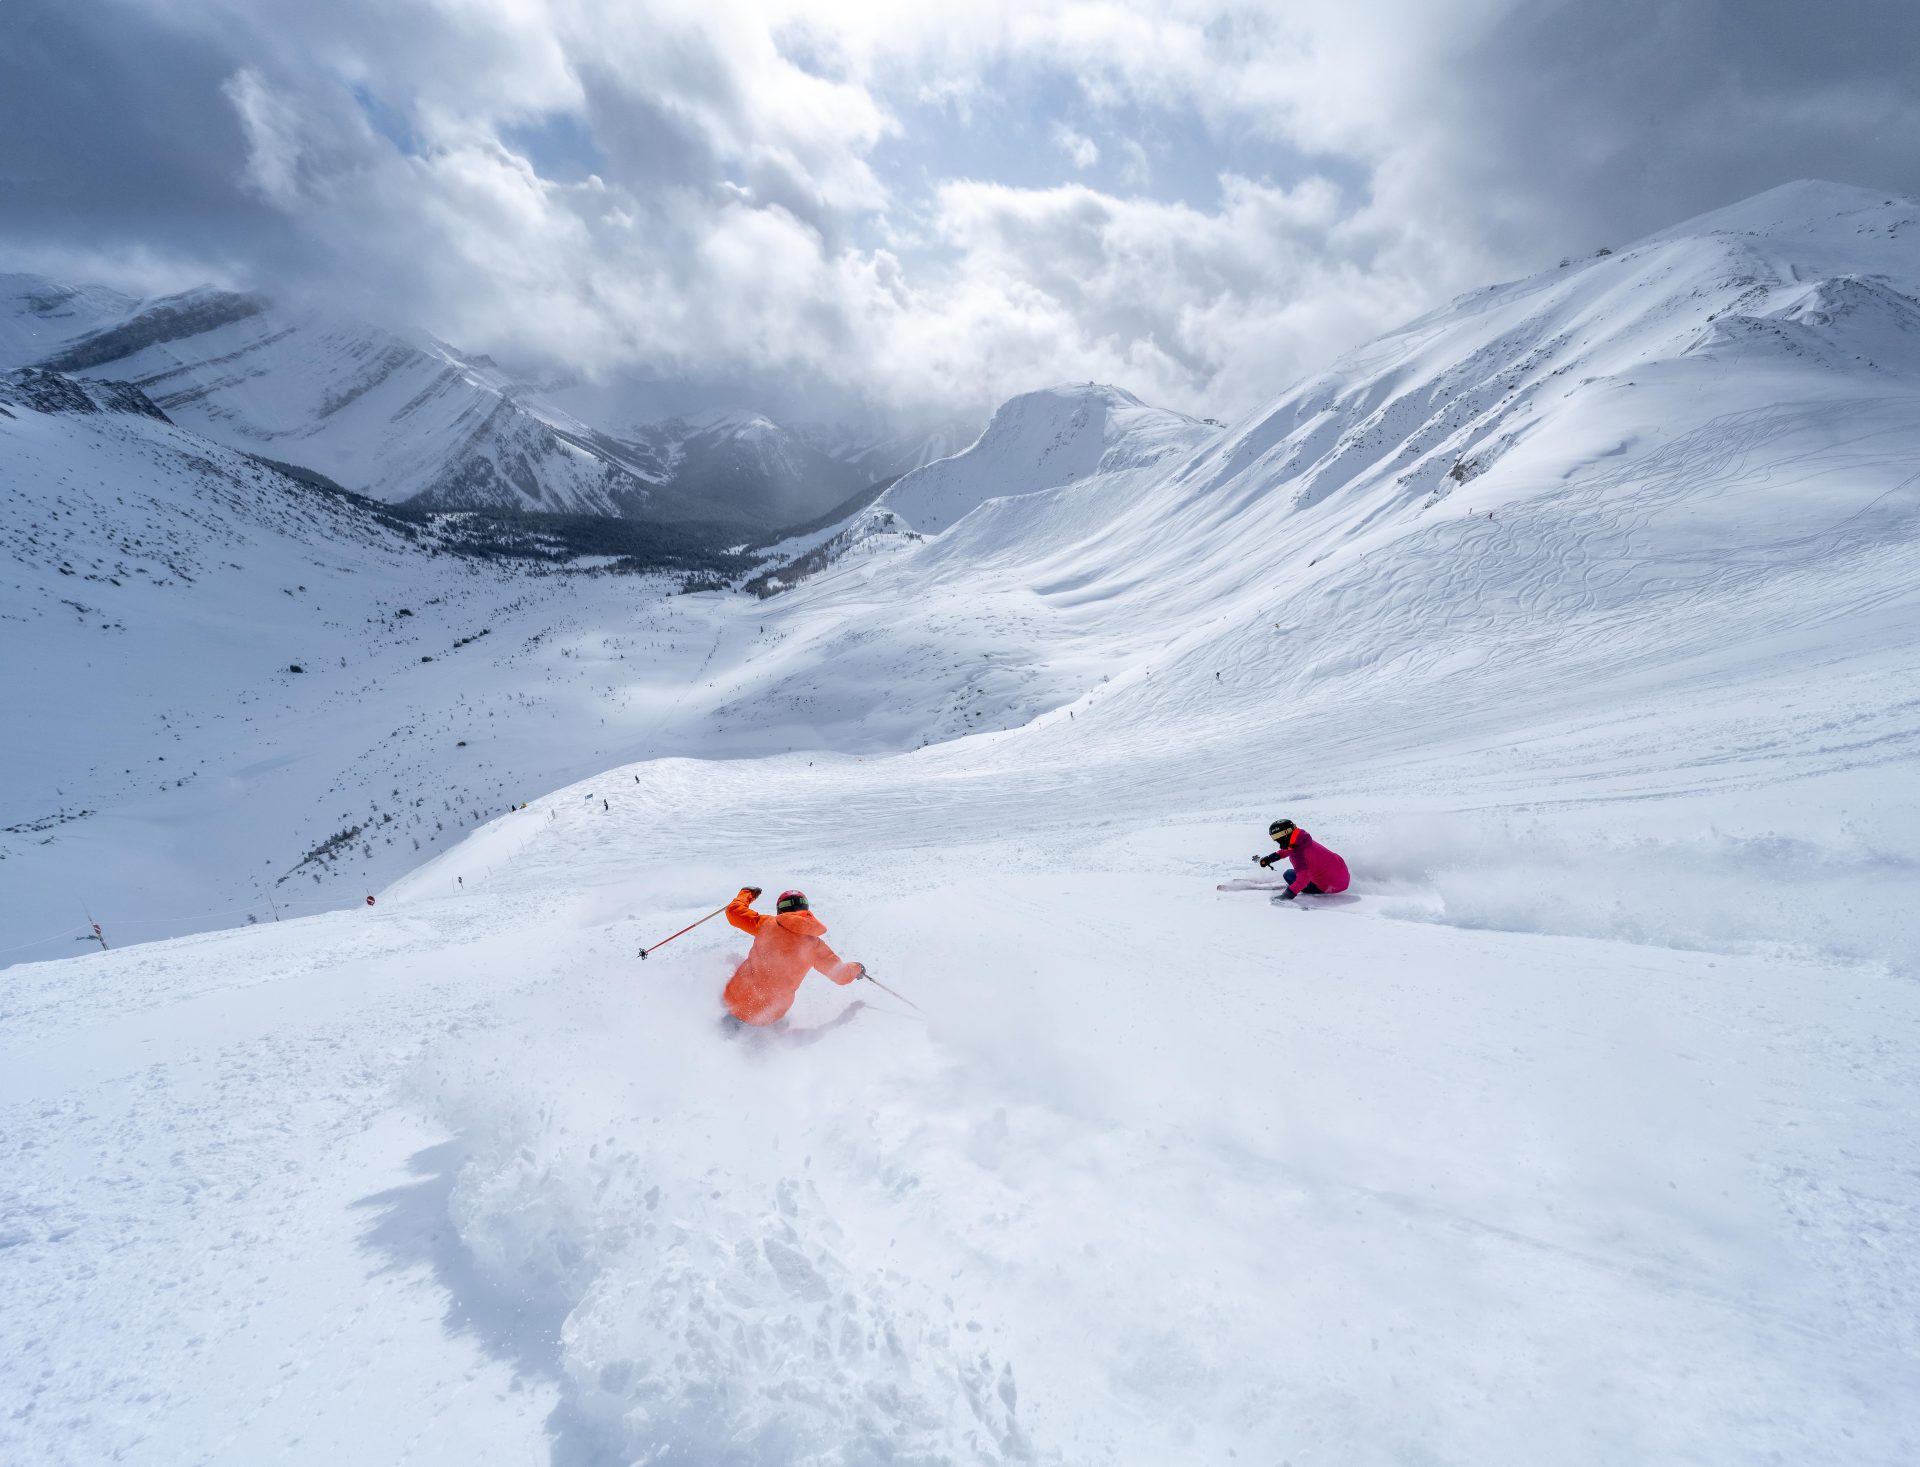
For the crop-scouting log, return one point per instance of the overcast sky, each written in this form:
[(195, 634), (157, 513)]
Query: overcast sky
[(1198, 201)]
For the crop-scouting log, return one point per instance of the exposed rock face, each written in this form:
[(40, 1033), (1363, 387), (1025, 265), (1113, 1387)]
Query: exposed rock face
[(54, 392)]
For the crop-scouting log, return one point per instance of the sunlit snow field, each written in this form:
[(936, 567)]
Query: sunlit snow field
[(1584, 1135)]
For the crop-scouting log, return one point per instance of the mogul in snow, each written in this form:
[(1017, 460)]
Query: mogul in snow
[(786, 944), (1316, 871)]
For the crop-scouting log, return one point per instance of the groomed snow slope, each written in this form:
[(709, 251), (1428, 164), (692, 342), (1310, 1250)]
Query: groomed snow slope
[(1584, 1135)]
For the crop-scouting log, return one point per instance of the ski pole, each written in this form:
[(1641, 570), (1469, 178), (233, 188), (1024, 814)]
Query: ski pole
[(683, 931), (867, 973)]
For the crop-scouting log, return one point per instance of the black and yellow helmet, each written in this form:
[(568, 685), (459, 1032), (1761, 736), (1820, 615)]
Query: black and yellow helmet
[(1282, 832)]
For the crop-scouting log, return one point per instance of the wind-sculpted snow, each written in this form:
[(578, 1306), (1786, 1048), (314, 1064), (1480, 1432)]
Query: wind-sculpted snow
[(723, 1303)]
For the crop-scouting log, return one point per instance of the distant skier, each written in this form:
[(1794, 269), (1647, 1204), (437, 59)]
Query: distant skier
[(1316, 871), (786, 944)]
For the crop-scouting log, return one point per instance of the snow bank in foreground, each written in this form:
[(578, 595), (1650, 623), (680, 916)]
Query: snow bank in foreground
[(726, 1299), (1172, 1175)]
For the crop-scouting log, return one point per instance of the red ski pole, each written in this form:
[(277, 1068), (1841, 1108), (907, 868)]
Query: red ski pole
[(683, 931)]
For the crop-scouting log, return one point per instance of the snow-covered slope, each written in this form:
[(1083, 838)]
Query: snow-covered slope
[(1579, 616), (1041, 441), (1038, 441), (38, 317), (232, 693), (1668, 426), (1811, 284), (393, 418)]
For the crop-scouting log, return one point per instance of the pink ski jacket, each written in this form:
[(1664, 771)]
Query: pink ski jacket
[(1315, 865)]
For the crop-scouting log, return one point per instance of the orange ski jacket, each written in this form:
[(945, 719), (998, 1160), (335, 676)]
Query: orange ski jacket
[(785, 946)]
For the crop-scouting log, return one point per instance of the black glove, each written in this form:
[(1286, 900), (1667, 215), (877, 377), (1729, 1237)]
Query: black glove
[(752, 891), (1288, 895), (1265, 861)]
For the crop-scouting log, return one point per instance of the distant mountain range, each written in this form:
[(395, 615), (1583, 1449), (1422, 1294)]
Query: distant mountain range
[(407, 419)]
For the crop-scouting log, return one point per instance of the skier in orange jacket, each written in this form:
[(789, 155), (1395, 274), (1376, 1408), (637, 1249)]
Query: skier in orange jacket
[(786, 943)]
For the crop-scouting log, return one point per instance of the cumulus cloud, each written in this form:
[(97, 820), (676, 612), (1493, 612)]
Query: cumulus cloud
[(785, 191), (1187, 303)]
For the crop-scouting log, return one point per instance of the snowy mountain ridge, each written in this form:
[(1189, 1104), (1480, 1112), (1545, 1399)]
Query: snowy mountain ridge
[(1434, 405), (408, 419), (1038, 441), (1440, 401), (392, 418), (41, 316)]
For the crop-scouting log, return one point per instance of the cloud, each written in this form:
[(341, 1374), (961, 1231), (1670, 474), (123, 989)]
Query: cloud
[(1191, 305), (852, 195), (1080, 149), (275, 151), (94, 106), (1136, 169)]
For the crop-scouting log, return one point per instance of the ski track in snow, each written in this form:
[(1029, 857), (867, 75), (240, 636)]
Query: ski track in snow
[(1584, 1135)]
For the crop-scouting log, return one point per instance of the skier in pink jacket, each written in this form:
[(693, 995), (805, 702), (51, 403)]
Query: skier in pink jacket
[(1316, 871)]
